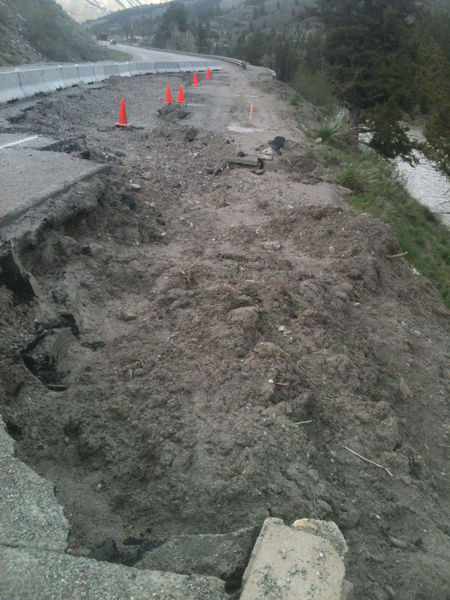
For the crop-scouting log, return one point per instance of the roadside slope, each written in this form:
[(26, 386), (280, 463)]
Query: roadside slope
[(208, 344)]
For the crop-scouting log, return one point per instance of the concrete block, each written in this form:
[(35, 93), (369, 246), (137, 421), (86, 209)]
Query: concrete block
[(200, 65), (53, 78), (86, 73), (187, 66), (10, 87), (167, 67), (133, 68), (111, 69), (29, 513), (99, 72), (124, 69), (289, 563), (146, 67), (38, 575), (70, 75), (223, 555), (32, 81)]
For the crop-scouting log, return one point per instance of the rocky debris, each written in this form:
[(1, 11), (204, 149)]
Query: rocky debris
[(221, 555), (288, 563)]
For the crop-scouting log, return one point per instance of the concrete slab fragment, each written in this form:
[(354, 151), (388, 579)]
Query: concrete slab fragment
[(6, 442), (34, 575), (223, 555), (290, 563), (13, 140), (29, 177), (29, 513)]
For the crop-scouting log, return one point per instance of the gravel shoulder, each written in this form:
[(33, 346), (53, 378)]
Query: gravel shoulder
[(210, 339)]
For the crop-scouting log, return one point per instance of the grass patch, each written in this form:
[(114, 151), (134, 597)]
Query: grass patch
[(117, 55), (332, 130), (377, 189), (295, 100)]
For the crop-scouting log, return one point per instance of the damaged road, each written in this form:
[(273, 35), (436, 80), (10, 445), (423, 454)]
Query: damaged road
[(188, 344)]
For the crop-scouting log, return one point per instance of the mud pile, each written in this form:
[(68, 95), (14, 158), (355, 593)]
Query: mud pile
[(208, 345)]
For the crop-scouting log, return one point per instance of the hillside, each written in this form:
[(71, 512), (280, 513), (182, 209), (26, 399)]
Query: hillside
[(36, 32), (213, 26), (82, 10)]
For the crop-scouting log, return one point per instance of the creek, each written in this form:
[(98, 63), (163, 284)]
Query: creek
[(425, 183)]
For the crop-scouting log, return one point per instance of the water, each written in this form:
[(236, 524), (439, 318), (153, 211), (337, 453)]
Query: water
[(427, 185)]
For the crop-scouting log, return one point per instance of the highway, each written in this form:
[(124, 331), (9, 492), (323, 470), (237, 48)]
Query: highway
[(28, 175)]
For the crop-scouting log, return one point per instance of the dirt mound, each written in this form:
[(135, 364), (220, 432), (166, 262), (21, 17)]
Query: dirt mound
[(209, 346)]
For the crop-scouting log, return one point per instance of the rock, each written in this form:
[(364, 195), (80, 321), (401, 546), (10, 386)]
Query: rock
[(348, 516), (363, 416), (220, 555), (247, 162), (268, 350), (345, 191), (289, 563), (244, 316), (277, 143), (127, 315), (271, 245), (404, 389), (388, 433), (190, 134), (135, 187)]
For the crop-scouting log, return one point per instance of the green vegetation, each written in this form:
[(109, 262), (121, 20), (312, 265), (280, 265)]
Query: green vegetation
[(116, 55), (377, 189), (372, 79), (44, 27), (332, 129)]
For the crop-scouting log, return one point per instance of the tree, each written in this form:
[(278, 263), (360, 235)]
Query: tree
[(173, 22), (433, 81), (370, 55)]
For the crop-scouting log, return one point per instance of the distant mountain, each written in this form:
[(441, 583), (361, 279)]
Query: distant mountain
[(83, 10)]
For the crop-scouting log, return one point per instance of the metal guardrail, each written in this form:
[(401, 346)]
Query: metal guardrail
[(235, 61)]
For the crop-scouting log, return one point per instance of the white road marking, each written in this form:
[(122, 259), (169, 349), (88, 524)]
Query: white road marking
[(28, 139)]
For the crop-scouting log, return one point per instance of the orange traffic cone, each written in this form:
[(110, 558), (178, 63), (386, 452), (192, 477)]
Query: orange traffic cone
[(168, 95), (208, 73), (122, 122), (195, 79), (180, 95)]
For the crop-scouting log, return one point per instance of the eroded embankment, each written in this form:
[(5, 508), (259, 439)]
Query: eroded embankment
[(207, 343)]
